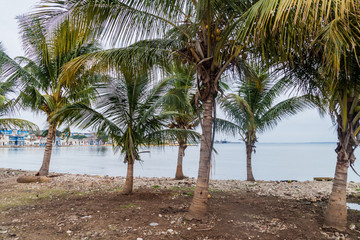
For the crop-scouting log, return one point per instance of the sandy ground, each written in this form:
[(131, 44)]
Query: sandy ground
[(92, 207)]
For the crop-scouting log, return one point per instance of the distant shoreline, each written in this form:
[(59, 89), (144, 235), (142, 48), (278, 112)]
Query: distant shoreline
[(166, 145), (106, 145)]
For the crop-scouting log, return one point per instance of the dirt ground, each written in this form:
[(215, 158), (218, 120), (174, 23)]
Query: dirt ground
[(37, 211)]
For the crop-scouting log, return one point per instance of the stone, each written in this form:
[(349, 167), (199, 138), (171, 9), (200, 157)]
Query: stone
[(352, 227), (154, 224)]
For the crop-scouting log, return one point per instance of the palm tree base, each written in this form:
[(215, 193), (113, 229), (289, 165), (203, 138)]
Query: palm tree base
[(126, 192), (42, 173), (180, 177)]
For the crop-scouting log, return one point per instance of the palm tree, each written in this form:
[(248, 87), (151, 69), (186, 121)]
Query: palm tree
[(200, 33), (179, 104), (251, 109), (127, 110), (7, 106), (318, 43), (42, 89)]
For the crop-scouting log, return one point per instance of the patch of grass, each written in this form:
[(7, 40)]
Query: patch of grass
[(358, 189), (113, 228), (81, 193), (28, 197), (130, 205), (117, 189), (189, 194), (215, 190), (156, 186), (175, 188)]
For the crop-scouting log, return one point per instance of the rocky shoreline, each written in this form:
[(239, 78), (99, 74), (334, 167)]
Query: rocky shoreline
[(308, 190)]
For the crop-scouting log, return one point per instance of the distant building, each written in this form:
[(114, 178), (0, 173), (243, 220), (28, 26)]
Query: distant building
[(13, 137), (4, 140), (16, 140), (25, 138)]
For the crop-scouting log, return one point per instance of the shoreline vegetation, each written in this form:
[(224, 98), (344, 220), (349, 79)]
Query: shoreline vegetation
[(80, 206)]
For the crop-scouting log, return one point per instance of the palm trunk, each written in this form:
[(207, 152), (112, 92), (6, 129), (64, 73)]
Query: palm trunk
[(179, 172), (44, 170), (336, 212), (249, 173), (199, 205), (128, 187)]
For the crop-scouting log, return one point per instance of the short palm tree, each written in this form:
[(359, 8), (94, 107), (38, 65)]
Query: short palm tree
[(179, 105), (252, 109), (38, 73), (127, 110), (318, 43), (7, 105), (200, 33)]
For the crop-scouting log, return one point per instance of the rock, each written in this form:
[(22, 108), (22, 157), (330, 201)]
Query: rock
[(170, 231), (3, 232), (154, 224), (139, 239), (73, 218), (352, 227)]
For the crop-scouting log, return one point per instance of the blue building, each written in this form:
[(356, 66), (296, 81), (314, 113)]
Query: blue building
[(16, 140)]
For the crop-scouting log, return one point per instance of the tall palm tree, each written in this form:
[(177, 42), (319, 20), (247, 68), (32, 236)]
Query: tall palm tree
[(179, 104), (41, 88), (127, 110), (8, 106), (252, 108), (200, 33), (318, 43)]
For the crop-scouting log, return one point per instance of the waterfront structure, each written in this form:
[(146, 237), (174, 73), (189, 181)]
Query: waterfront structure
[(20, 138), (13, 137)]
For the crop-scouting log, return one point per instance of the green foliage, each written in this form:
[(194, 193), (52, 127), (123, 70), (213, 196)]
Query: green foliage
[(252, 108), (79, 137), (38, 73), (8, 106), (178, 103), (127, 111)]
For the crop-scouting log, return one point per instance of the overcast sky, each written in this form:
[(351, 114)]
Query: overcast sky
[(304, 127)]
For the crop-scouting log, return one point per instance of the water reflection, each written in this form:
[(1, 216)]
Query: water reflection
[(100, 150)]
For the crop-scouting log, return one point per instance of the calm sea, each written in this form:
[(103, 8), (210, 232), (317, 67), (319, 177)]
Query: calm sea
[(272, 161)]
